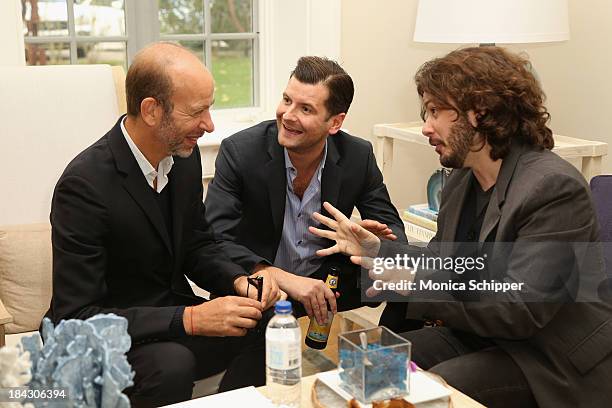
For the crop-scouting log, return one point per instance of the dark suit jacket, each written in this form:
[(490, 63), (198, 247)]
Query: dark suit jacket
[(111, 250), (541, 203), (245, 203)]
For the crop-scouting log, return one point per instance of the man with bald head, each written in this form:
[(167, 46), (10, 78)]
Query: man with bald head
[(128, 225)]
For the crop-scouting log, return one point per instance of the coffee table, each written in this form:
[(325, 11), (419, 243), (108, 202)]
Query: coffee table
[(458, 399)]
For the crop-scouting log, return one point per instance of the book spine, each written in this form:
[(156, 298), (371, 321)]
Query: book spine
[(422, 212), (420, 221), (416, 232)]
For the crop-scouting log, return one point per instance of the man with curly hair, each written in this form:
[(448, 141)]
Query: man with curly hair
[(521, 207)]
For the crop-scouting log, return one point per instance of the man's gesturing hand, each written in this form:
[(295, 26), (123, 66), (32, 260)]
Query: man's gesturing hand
[(381, 230), (224, 316), (351, 239)]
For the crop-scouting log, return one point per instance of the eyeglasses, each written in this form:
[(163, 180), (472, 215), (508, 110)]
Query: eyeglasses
[(256, 281)]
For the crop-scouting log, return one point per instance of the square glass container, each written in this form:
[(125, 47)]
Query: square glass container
[(378, 372)]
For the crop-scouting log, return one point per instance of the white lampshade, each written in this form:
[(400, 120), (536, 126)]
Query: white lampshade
[(491, 21)]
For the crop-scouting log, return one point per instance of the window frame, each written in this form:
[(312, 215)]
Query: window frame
[(208, 37), (73, 39)]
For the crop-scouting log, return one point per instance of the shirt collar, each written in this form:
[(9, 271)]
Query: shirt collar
[(150, 173), (289, 164)]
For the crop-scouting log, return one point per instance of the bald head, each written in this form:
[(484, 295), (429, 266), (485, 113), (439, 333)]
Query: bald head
[(158, 71)]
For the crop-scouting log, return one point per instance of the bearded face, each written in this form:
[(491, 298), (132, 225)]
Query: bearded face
[(458, 142), (180, 142)]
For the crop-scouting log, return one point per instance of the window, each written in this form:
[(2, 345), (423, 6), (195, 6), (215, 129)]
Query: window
[(74, 32), (223, 33)]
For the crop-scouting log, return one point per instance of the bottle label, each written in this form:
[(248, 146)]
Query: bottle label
[(332, 282), (319, 332), (282, 354)]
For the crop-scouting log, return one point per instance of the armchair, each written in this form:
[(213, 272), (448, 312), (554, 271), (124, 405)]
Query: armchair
[(50, 113)]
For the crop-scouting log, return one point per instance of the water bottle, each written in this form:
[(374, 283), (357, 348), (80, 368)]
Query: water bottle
[(283, 357)]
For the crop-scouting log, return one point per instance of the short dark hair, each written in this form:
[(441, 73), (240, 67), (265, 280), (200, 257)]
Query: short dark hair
[(496, 82), (315, 70), (146, 79)]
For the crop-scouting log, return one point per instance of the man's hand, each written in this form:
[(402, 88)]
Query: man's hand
[(351, 239), (382, 231), (223, 316), (313, 294), (270, 291)]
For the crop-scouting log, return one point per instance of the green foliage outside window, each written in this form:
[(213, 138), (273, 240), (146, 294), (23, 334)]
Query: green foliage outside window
[(232, 62), (187, 16)]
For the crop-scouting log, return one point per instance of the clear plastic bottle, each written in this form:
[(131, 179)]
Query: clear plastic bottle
[(283, 357)]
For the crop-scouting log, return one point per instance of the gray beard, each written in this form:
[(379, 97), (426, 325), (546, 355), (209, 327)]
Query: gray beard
[(166, 132)]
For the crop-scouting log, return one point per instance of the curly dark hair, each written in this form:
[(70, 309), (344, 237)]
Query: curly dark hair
[(498, 86)]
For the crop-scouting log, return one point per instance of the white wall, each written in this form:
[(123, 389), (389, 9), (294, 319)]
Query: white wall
[(576, 75), (11, 47), (291, 29), (378, 51)]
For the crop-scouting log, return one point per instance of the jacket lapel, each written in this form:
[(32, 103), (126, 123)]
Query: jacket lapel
[(498, 197), (134, 182), (276, 179), (332, 174), (178, 195)]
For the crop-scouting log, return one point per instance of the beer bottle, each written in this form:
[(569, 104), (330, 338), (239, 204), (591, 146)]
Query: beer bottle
[(317, 335)]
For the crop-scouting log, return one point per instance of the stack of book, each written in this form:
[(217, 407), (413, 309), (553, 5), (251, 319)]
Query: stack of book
[(422, 221)]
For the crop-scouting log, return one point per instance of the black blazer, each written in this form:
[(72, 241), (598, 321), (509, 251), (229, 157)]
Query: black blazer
[(111, 249), (245, 203)]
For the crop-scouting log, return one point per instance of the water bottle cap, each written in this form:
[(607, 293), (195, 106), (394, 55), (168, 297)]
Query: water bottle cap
[(282, 306)]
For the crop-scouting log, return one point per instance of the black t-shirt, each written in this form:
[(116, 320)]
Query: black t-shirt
[(473, 212), (468, 232)]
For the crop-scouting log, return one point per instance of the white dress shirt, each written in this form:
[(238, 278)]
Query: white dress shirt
[(150, 173)]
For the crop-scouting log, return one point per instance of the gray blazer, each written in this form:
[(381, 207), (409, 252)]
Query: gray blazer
[(563, 347)]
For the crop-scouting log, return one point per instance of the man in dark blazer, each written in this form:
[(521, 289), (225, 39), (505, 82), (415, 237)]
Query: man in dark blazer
[(271, 177), (529, 213), (128, 224)]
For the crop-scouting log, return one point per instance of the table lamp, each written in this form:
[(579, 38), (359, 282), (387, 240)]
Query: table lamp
[(487, 22)]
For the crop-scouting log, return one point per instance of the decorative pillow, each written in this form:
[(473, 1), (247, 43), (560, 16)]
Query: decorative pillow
[(25, 274)]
